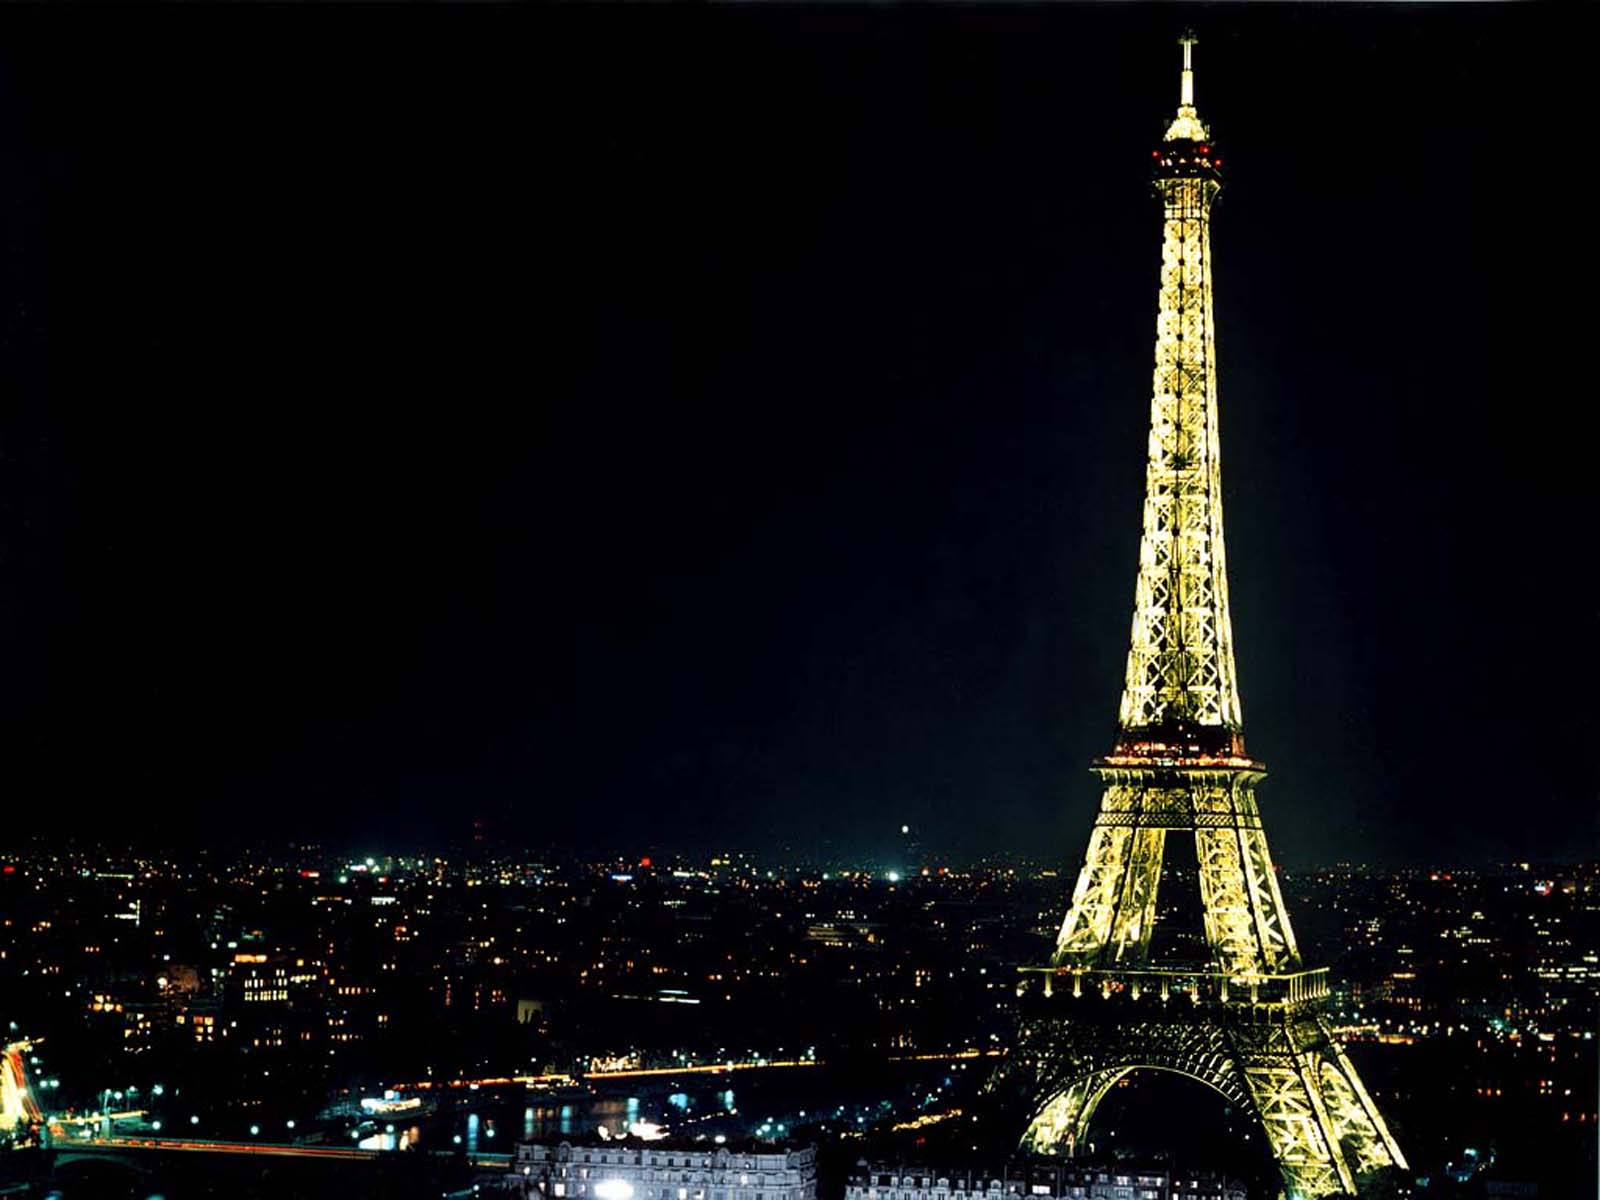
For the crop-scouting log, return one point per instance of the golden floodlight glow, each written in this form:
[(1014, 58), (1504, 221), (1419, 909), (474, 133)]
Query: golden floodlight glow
[(1243, 1014)]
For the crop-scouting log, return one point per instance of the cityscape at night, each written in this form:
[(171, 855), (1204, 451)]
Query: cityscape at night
[(565, 585), (458, 1005)]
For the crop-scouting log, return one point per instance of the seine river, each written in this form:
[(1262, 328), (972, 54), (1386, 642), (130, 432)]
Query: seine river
[(757, 1102)]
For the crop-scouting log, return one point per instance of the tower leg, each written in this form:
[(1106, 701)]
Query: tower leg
[(1063, 1126), (1296, 1125), (1356, 1116), (1322, 1126), (1136, 907), (1094, 900)]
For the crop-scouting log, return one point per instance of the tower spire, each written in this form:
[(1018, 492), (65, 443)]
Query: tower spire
[(1180, 685), (1187, 124)]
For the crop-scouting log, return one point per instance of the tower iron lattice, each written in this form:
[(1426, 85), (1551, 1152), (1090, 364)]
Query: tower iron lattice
[(1243, 1014)]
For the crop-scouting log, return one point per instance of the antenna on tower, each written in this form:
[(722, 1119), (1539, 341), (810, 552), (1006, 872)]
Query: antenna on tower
[(1187, 125), (1187, 41)]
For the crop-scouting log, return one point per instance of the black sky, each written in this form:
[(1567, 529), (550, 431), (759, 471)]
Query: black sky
[(726, 425)]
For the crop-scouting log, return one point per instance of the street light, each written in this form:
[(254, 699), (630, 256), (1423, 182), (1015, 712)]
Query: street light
[(106, 1095)]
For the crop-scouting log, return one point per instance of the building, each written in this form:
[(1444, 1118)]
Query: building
[(1048, 1179), (627, 1169)]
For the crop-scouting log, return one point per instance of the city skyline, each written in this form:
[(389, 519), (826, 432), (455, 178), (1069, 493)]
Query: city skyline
[(736, 431), (258, 1000)]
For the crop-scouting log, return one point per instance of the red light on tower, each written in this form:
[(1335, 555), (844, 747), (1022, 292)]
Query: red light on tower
[(645, 861)]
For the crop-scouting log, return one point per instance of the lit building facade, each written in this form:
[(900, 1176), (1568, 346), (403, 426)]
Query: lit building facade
[(629, 1170), (1048, 1180)]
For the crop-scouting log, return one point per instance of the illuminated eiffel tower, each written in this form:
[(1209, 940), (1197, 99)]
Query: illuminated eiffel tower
[(1238, 1011)]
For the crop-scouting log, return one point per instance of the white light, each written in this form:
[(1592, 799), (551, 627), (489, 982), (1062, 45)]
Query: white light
[(254, 1130), (614, 1189), (894, 876), (905, 829)]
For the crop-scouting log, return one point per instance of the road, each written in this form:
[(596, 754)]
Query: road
[(256, 1149)]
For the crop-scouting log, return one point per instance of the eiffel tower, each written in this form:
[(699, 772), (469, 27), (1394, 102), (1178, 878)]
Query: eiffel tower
[(1239, 1010)]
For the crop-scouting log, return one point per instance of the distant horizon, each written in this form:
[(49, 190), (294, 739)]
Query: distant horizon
[(764, 857)]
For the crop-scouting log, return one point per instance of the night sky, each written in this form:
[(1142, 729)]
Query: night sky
[(726, 426)]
